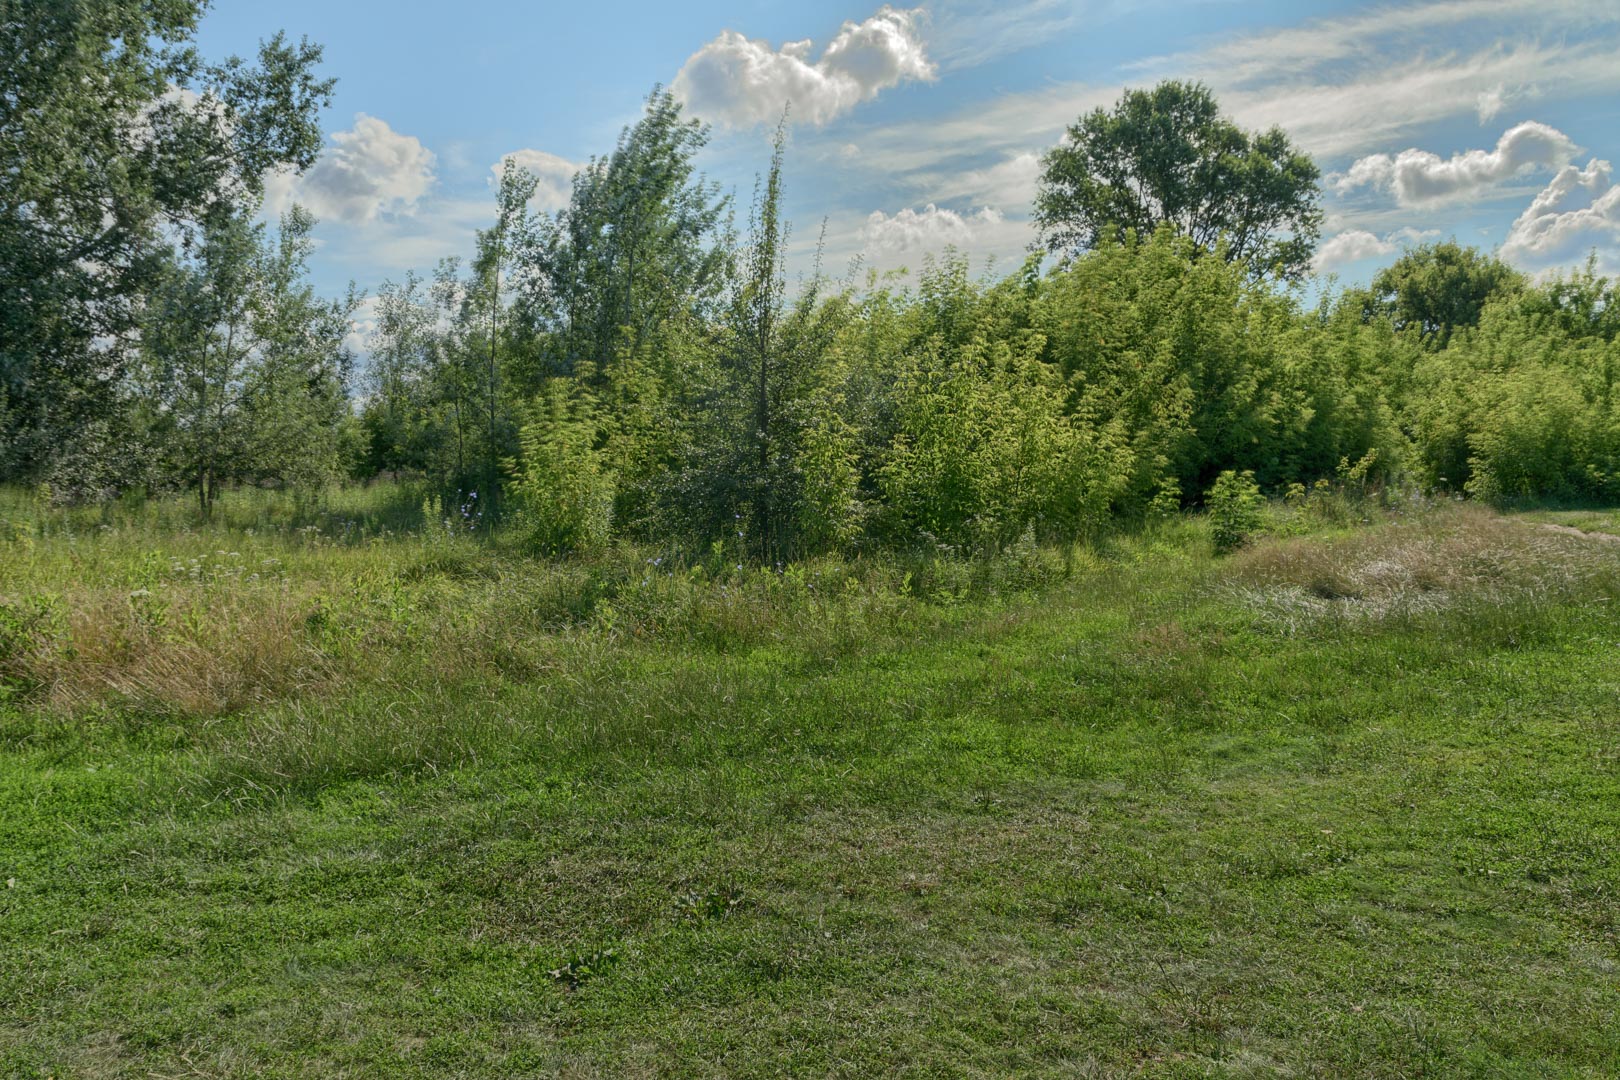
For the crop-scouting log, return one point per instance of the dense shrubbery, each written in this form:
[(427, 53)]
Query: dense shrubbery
[(1524, 403), (630, 369)]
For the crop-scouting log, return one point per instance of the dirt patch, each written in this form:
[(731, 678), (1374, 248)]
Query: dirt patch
[(1570, 530)]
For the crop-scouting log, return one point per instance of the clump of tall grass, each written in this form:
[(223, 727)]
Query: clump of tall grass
[(145, 608)]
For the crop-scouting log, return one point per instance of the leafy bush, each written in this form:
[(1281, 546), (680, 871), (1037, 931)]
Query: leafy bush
[(563, 492), (1234, 504)]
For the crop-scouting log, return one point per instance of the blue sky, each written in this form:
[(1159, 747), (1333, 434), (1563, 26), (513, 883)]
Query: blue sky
[(1493, 121)]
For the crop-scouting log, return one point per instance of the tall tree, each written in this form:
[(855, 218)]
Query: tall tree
[(1166, 156), (114, 133), (1436, 289), (769, 419), (400, 416), (639, 247), (509, 240), (242, 371)]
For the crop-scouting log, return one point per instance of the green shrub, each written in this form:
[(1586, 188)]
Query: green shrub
[(29, 629), (564, 493), (1234, 504)]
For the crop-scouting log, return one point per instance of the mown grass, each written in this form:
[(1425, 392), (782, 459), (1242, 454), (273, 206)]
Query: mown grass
[(1346, 803)]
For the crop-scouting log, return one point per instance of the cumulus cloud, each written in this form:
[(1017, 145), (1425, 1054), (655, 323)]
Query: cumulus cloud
[(1354, 245), (555, 175), (367, 171), (1349, 247), (362, 328), (1578, 211), (928, 229), (1418, 177), (739, 81)]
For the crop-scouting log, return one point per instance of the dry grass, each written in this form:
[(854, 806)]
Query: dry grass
[(222, 653), (1457, 555)]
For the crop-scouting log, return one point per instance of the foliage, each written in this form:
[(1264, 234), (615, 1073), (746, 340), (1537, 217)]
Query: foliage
[(984, 447), (639, 250), (1234, 503), (1525, 404), (114, 133), (1166, 156), (562, 486), (634, 371), (242, 371), (1435, 290)]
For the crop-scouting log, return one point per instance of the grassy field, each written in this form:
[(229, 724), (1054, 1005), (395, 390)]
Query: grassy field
[(340, 790)]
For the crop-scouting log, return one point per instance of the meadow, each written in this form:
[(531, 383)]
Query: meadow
[(344, 787)]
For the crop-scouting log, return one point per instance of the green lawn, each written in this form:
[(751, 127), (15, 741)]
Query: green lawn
[(1343, 804)]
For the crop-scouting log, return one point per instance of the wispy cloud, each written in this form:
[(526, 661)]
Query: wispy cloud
[(967, 33)]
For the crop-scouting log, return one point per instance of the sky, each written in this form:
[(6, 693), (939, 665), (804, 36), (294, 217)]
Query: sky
[(1494, 122)]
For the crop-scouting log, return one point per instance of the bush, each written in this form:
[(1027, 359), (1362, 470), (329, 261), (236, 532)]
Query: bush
[(564, 494), (1234, 504), (30, 629)]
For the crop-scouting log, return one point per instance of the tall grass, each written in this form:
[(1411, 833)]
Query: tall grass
[(343, 636), (143, 606)]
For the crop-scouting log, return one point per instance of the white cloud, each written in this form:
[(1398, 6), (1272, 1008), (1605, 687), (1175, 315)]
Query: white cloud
[(555, 176), (1578, 211), (1354, 245), (1349, 247), (362, 328), (368, 170), (1491, 102), (928, 229), (1418, 177), (739, 81), (1374, 171)]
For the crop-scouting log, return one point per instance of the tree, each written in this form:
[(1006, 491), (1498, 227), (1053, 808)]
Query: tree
[(399, 416), (498, 248), (772, 462), (114, 134), (242, 371), (1167, 156), (639, 247), (1436, 289)]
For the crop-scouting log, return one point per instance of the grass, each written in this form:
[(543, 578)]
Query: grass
[(1345, 803)]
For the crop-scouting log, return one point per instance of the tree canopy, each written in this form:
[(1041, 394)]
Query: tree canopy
[(115, 137), (1167, 156), (1436, 289)]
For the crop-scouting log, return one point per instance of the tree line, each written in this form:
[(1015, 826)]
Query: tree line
[(638, 364)]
